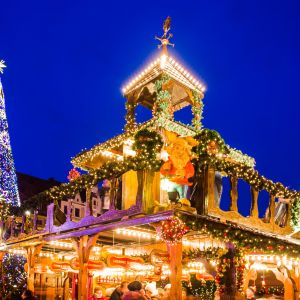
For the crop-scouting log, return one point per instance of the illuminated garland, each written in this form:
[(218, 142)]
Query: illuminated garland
[(248, 241), (239, 263), (210, 142), (147, 144), (222, 271), (239, 157), (295, 213), (197, 110), (205, 289), (130, 116), (163, 105), (172, 230), (115, 142), (249, 175)]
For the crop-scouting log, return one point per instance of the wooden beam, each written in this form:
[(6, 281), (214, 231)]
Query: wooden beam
[(31, 254), (84, 245), (233, 193), (175, 254), (111, 226), (254, 204)]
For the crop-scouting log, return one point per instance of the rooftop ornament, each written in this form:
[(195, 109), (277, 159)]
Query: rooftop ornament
[(164, 39)]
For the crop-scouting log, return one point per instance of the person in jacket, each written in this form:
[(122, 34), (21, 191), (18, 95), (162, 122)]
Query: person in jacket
[(134, 292), (119, 291)]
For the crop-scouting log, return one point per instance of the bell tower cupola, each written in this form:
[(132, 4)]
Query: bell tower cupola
[(164, 86)]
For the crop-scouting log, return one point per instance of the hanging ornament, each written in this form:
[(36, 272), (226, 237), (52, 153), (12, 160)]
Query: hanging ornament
[(172, 230), (73, 174)]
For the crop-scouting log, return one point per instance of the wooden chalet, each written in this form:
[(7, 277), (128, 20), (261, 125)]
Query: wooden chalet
[(127, 242)]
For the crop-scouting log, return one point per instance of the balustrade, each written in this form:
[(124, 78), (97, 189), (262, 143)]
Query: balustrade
[(276, 218)]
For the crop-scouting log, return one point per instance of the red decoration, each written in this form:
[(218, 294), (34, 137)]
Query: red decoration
[(123, 261), (73, 174), (172, 230), (92, 264)]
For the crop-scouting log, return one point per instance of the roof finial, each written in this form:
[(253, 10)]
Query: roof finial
[(164, 39), (2, 66)]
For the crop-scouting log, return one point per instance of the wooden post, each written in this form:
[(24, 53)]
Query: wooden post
[(88, 206), (199, 191), (233, 193), (210, 196), (254, 205), (69, 210), (31, 254), (113, 193), (140, 190), (148, 201), (84, 245), (289, 214), (272, 209), (175, 253), (130, 115), (197, 111)]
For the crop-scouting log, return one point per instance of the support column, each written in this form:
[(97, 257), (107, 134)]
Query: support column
[(140, 190), (113, 193), (31, 254), (88, 203), (210, 197), (130, 115), (254, 205), (175, 253), (272, 209), (233, 193), (84, 245), (197, 110)]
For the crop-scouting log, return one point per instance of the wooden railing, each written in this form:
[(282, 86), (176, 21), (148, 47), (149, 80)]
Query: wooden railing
[(269, 223)]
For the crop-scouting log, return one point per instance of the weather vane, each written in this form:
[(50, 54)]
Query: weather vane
[(164, 39), (2, 66)]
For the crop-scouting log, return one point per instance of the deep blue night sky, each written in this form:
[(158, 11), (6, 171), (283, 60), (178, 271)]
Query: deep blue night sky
[(67, 62)]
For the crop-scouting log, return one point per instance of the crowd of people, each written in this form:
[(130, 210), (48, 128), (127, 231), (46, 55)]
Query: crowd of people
[(136, 290)]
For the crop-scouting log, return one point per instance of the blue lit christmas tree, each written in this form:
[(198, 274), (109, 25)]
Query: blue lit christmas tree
[(8, 178)]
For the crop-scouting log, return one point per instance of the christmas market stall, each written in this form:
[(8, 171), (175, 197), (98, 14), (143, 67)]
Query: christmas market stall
[(161, 186)]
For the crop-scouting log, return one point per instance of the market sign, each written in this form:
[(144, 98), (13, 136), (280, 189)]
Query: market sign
[(123, 261), (38, 268), (93, 265), (60, 266)]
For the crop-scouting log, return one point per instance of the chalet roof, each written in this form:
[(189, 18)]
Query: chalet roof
[(105, 149), (164, 64)]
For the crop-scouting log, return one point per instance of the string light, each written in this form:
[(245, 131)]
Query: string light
[(8, 178), (166, 64)]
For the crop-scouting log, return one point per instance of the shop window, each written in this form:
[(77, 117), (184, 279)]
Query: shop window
[(77, 212)]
